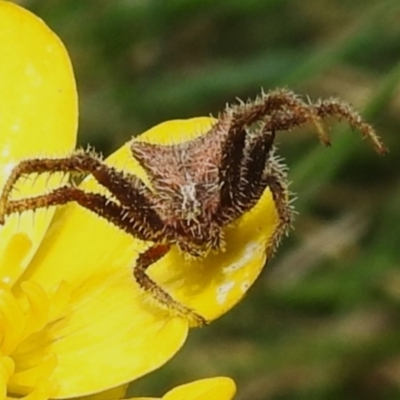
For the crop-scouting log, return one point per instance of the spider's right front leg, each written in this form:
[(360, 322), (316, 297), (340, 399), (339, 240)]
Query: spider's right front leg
[(144, 261), (260, 170)]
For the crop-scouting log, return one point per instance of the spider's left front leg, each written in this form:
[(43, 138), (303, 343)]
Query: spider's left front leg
[(131, 193), (143, 262), (104, 207)]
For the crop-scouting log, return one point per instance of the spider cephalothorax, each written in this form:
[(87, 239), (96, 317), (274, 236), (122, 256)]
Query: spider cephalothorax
[(186, 191), (197, 187)]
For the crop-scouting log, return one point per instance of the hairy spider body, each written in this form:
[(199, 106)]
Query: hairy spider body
[(197, 188), (186, 192)]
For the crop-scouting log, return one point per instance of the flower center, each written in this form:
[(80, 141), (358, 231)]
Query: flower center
[(26, 361)]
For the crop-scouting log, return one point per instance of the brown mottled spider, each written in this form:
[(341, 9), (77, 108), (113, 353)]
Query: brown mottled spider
[(198, 187)]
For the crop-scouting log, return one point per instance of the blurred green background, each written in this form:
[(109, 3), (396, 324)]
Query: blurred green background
[(322, 322)]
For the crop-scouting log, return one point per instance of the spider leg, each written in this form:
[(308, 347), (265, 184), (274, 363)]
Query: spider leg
[(229, 171), (249, 185), (120, 216), (274, 179), (335, 108), (128, 189), (260, 170), (278, 102), (280, 109), (144, 261), (327, 108)]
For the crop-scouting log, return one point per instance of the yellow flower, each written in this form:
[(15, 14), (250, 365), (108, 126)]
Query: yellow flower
[(72, 319)]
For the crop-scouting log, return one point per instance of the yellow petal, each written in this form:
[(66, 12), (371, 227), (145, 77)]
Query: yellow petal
[(107, 340), (220, 388), (38, 116)]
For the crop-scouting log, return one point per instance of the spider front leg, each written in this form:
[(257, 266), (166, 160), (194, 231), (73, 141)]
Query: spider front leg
[(248, 186), (274, 103), (337, 109), (127, 189), (72, 164), (325, 108), (277, 110), (118, 215), (143, 262), (261, 169)]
